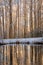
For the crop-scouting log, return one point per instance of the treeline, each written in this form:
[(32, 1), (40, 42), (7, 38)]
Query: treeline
[(21, 18)]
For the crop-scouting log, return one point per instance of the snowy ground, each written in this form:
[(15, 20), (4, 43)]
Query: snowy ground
[(23, 40)]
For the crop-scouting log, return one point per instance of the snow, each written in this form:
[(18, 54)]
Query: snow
[(23, 40)]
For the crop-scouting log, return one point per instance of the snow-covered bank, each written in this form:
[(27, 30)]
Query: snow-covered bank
[(30, 40)]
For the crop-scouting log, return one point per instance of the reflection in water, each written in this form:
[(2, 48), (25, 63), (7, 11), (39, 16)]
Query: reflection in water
[(19, 54)]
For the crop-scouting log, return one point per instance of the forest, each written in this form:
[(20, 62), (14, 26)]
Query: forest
[(21, 18)]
